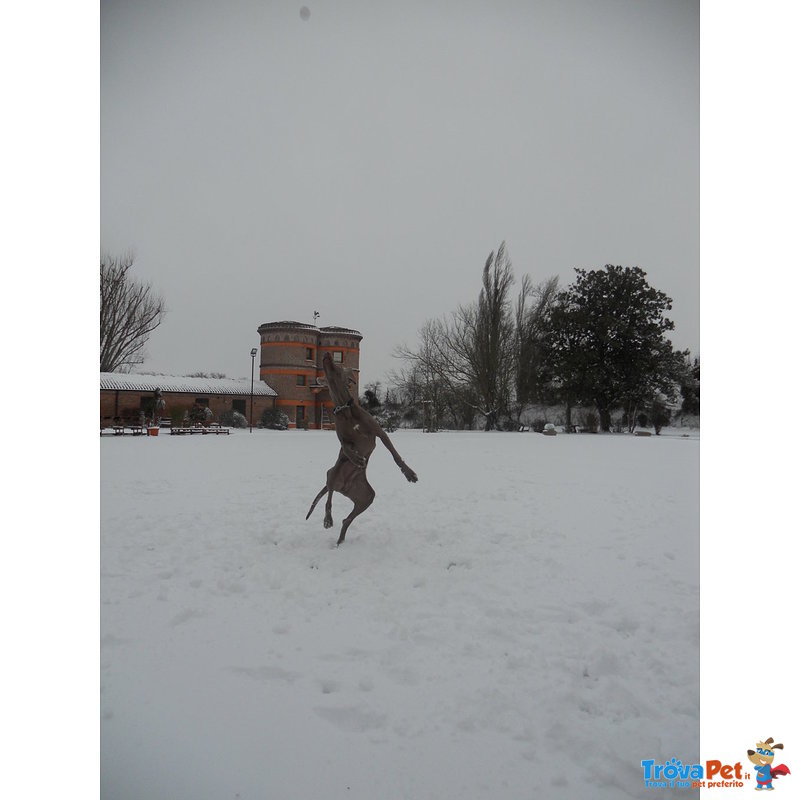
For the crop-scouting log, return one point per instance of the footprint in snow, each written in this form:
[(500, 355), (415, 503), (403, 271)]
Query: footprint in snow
[(265, 674), (186, 615), (352, 718)]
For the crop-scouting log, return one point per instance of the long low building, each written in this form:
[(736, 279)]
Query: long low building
[(127, 395), (290, 372)]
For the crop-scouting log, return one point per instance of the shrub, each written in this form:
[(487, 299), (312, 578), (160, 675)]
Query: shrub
[(146, 408), (197, 414), (392, 421), (274, 420), (386, 419), (234, 419), (370, 400), (178, 414), (537, 426)]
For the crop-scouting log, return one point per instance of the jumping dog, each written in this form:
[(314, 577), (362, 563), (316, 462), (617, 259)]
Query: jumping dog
[(357, 431)]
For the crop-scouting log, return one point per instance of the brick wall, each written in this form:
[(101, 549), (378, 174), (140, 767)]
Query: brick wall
[(128, 403)]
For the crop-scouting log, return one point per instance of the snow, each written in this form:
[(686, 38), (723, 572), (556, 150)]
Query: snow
[(522, 622)]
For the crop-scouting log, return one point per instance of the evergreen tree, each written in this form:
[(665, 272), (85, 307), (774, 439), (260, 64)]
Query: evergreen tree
[(690, 389), (371, 400), (607, 343)]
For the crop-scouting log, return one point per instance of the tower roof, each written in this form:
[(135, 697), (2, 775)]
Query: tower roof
[(288, 324)]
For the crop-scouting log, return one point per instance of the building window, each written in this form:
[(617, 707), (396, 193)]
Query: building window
[(299, 413), (309, 353), (301, 380), (240, 406), (337, 356)]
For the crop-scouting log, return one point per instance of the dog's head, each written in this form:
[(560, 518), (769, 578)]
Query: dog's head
[(764, 753), (338, 380)]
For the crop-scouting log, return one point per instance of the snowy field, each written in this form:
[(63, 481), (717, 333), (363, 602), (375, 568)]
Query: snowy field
[(521, 623)]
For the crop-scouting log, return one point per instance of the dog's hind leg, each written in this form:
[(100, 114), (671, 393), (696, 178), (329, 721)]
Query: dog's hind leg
[(331, 484), (362, 495), (335, 484)]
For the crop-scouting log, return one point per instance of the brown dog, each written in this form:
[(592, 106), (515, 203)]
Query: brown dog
[(357, 431)]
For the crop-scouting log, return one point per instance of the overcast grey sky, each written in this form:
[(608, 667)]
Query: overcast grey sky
[(365, 161)]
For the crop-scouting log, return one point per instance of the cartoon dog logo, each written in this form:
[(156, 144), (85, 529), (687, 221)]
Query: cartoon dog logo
[(762, 757)]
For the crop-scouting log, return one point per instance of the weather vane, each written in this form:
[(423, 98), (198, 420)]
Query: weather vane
[(316, 316)]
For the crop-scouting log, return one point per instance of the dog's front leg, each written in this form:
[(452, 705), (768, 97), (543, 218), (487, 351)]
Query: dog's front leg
[(404, 468), (409, 473)]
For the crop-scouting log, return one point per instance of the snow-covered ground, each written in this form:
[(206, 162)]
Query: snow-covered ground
[(523, 622)]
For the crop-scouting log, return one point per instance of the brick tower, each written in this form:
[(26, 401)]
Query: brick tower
[(291, 363)]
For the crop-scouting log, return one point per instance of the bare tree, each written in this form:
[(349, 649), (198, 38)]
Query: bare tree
[(435, 374), (129, 312), (406, 381), (465, 363)]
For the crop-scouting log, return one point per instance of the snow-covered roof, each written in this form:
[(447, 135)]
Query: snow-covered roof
[(337, 329), (290, 324), (119, 381)]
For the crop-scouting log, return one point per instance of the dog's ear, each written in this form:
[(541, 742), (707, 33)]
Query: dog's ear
[(777, 747)]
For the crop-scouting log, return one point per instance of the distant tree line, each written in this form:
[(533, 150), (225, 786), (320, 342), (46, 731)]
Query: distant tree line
[(599, 343)]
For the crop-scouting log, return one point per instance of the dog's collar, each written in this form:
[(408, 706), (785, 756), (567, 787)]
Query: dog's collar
[(342, 408)]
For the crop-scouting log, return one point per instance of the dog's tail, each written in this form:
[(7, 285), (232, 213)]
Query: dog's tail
[(316, 500)]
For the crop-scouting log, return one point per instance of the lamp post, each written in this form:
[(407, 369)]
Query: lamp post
[(253, 354)]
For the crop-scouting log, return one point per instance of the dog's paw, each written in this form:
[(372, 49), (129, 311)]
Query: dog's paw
[(327, 522), (410, 475)]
